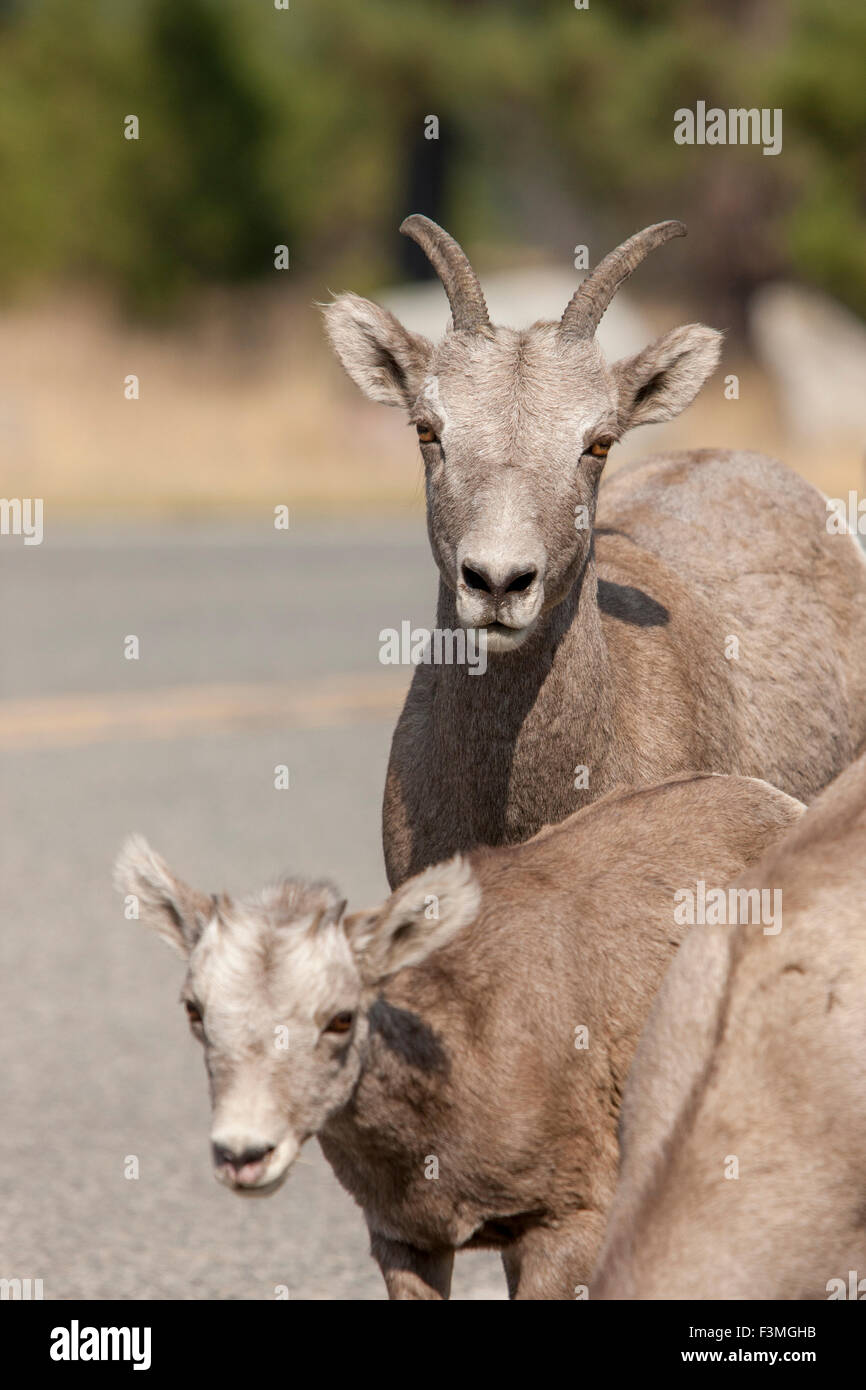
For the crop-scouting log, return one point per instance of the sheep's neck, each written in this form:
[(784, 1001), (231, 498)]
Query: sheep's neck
[(508, 742)]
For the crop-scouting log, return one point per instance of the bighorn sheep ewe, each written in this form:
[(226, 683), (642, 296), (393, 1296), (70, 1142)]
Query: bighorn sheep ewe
[(444, 1069), (702, 619), (744, 1122)]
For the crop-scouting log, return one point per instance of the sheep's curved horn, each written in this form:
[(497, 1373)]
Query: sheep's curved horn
[(451, 264), (584, 310)]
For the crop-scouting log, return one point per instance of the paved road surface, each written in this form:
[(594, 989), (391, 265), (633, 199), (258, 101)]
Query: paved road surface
[(256, 648)]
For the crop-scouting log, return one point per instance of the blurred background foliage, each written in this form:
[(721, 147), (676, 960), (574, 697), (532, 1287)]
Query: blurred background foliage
[(305, 127)]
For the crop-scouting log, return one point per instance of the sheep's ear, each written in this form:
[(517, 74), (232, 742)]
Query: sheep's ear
[(160, 900), (327, 916), (662, 380), (422, 915), (381, 356)]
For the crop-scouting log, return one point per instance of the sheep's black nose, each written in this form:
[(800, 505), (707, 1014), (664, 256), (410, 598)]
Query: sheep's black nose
[(498, 580), (230, 1158)]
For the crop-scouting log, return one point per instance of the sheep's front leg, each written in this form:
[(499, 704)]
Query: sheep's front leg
[(554, 1262), (410, 1273)]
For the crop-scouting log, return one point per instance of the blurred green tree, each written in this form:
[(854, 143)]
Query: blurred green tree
[(305, 126)]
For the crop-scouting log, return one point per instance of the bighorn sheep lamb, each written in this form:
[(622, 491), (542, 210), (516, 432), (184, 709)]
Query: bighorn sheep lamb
[(703, 618), (744, 1123), (460, 1051)]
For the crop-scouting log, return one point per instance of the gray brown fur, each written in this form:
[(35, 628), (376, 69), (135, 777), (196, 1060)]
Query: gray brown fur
[(756, 1048)]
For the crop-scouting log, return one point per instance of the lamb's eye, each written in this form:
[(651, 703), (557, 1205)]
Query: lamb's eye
[(427, 434), (599, 448), (340, 1023), (193, 1013)]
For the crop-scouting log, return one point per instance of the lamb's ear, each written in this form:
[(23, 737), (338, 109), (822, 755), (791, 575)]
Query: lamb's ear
[(662, 380), (381, 356), (422, 915), (163, 902)]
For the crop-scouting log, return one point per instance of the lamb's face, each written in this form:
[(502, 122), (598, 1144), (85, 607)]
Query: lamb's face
[(277, 989), (273, 994)]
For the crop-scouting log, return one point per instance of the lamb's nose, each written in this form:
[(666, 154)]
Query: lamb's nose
[(245, 1165), (499, 579)]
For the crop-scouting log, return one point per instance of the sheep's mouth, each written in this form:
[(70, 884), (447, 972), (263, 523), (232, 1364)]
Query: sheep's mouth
[(500, 637), (261, 1178), (263, 1189)]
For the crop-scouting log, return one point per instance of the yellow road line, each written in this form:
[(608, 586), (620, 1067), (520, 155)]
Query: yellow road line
[(63, 721)]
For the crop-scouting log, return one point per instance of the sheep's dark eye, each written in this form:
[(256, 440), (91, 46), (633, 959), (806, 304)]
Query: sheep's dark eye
[(427, 434), (600, 447), (340, 1023), (192, 1012)]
